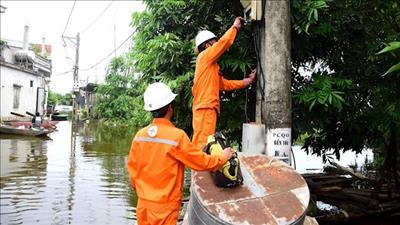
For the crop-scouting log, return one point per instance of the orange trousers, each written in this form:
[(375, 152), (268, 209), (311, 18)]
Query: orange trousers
[(204, 123), (157, 214)]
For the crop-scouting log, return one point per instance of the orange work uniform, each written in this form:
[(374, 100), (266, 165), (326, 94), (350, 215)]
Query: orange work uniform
[(156, 163), (208, 81)]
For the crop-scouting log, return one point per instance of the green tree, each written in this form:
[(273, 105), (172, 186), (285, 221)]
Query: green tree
[(341, 101), (393, 46), (53, 98), (163, 51), (66, 99), (59, 99), (119, 98), (345, 103)]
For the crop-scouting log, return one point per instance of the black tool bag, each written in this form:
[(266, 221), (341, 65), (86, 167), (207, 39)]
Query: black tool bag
[(230, 174)]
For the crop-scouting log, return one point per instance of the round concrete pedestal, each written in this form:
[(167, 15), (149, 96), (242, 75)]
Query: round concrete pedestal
[(272, 193)]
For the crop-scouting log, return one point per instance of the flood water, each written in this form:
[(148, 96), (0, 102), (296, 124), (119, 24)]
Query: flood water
[(78, 176), (73, 177)]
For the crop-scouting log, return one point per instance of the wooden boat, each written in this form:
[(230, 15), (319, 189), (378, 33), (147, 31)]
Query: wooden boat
[(6, 129), (51, 125), (59, 117)]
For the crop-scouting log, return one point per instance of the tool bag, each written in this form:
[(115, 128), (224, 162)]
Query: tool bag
[(230, 174)]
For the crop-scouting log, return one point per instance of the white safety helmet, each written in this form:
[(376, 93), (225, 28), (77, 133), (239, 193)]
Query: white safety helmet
[(203, 36), (157, 95)]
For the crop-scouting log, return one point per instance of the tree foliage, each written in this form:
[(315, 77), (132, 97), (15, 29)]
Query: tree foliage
[(59, 99), (341, 100), (393, 46), (345, 103), (118, 99), (164, 51)]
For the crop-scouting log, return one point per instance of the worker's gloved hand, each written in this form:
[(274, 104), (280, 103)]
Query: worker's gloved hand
[(228, 152), (238, 22), (251, 78)]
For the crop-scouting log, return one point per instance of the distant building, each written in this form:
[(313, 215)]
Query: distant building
[(90, 96), (25, 76), (86, 98)]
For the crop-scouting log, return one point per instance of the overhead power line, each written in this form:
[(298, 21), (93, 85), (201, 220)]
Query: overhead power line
[(98, 17), (62, 73), (108, 55), (69, 17), (66, 54)]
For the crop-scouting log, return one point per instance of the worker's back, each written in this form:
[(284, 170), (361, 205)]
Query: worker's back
[(157, 159), (159, 175)]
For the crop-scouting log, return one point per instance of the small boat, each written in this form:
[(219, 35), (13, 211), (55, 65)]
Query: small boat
[(6, 129), (51, 125), (59, 117)]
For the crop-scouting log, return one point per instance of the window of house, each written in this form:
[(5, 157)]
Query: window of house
[(17, 91), (31, 83)]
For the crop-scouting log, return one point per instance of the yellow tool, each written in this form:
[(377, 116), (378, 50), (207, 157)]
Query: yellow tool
[(229, 175)]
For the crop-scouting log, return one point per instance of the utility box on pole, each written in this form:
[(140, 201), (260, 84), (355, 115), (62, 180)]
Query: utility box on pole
[(252, 9)]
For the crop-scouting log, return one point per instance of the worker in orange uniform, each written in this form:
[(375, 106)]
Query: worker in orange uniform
[(208, 81), (157, 159)]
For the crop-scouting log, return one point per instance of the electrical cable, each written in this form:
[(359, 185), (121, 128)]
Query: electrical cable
[(69, 17), (263, 3), (66, 54), (245, 103), (261, 80), (97, 18), (91, 67), (62, 73), (294, 159)]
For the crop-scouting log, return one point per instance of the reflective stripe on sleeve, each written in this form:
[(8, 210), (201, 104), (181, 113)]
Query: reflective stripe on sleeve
[(156, 140)]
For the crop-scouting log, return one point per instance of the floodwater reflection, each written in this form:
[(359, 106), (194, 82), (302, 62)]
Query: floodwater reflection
[(78, 176)]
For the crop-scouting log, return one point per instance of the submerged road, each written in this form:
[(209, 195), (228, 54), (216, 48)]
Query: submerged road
[(75, 176)]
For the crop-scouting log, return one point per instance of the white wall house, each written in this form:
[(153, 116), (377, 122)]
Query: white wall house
[(24, 78)]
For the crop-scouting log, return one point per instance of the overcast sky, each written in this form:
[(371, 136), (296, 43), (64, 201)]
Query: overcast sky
[(49, 19)]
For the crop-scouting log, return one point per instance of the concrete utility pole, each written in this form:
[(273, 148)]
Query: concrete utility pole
[(275, 110), (76, 80)]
